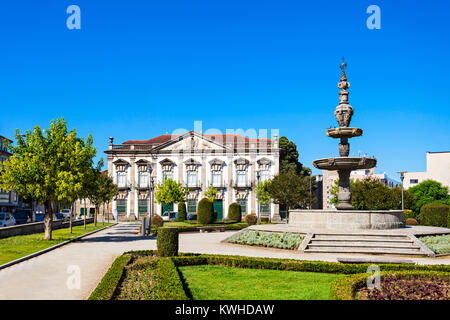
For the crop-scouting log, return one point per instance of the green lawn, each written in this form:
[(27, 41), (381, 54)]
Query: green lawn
[(210, 282), (13, 248)]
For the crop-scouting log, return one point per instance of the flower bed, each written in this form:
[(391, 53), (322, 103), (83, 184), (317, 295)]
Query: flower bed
[(439, 244), (409, 287), (394, 285), (283, 240)]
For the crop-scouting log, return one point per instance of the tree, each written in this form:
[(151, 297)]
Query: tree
[(51, 164), (289, 158), (429, 191), (101, 190), (372, 194), (290, 190), (211, 193), (170, 192), (262, 192)]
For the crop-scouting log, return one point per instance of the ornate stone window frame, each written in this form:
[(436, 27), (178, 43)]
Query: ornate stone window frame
[(216, 165), (264, 164), (143, 165)]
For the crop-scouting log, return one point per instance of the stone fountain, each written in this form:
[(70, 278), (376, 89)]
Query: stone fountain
[(345, 164), (345, 217)]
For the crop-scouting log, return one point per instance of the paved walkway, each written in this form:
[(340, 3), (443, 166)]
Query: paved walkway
[(46, 276)]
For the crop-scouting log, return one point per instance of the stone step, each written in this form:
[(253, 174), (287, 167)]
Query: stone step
[(380, 240), (335, 236), (400, 251), (372, 244)]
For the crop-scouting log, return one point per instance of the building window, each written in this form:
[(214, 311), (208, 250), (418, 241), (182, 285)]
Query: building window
[(143, 205), (216, 177), (264, 208), (241, 174), (121, 205), (414, 181), (121, 179), (263, 175), (192, 178), (243, 204), (143, 181), (192, 206), (167, 175)]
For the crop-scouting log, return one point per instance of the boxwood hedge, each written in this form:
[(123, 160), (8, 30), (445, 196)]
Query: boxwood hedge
[(167, 242)]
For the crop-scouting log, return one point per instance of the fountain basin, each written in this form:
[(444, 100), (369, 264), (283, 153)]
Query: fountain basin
[(346, 219), (344, 132), (345, 163)]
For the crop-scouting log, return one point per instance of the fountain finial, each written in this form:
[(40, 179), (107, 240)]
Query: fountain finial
[(344, 111)]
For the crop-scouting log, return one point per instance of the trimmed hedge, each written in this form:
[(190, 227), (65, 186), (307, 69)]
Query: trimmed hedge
[(346, 288), (435, 214), (234, 212), (156, 222), (205, 211), (169, 285), (296, 265), (181, 215), (411, 222), (167, 242), (251, 219), (107, 287)]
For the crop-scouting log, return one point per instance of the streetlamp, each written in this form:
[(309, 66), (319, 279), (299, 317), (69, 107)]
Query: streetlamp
[(258, 175), (402, 176)]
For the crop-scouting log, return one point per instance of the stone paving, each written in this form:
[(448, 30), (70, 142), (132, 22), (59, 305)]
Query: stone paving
[(46, 276)]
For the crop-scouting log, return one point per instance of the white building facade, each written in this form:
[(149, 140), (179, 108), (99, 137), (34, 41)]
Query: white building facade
[(231, 163), (438, 168)]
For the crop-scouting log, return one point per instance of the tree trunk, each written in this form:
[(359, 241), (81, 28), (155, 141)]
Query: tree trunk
[(48, 220), (85, 213), (287, 214), (95, 215), (71, 213)]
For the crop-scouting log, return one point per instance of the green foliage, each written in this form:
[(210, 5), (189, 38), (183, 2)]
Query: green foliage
[(283, 240), (205, 211), (156, 222), (262, 192), (251, 219), (234, 212), (289, 158), (434, 214), (181, 215), (54, 165), (170, 192), (372, 194), (107, 287), (211, 193), (440, 244), (429, 191), (167, 242), (409, 214), (169, 285), (346, 288), (291, 191), (100, 189)]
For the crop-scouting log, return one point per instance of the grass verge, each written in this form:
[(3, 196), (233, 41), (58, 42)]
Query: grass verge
[(16, 247)]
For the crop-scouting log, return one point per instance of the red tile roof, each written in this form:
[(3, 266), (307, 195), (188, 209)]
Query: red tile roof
[(234, 138)]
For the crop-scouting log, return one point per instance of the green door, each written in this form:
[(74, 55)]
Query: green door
[(218, 206)]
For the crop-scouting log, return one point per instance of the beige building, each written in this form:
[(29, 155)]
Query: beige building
[(329, 178), (231, 163), (438, 168)]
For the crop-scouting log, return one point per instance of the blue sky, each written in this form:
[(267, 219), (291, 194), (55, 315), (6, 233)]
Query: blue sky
[(138, 69)]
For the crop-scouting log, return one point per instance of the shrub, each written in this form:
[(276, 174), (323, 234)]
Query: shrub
[(156, 222), (169, 285), (234, 212), (409, 214), (205, 211), (107, 287), (215, 216), (251, 219), (411, 222), (167, 242), (434, 214), (181, 216)]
